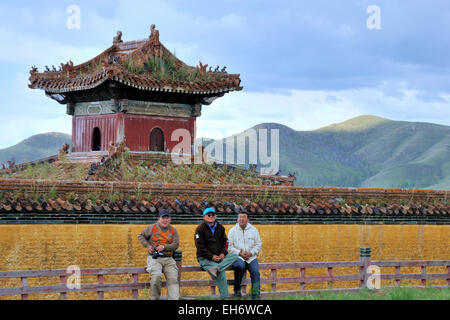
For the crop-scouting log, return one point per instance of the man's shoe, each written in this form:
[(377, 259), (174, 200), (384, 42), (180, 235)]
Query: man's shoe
[(213, 272), (237, 294)]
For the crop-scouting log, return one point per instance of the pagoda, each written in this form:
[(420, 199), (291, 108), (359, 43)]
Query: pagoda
[(136, 92)]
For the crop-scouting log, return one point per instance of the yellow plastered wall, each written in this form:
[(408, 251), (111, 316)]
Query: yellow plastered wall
[(30, 247)]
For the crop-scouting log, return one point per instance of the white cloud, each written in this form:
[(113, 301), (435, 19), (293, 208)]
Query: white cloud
[(310, 110), (300, 110), (20, 127), (27, 112), (29, 50), (233, 21), (25, 101)]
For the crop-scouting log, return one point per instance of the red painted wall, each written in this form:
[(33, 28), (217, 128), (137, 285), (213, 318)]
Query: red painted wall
[(83, 127), (136, 128)]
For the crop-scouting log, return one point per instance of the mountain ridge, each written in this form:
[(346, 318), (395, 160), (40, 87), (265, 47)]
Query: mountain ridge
[(358, 123), (367, 151), (35, 147)]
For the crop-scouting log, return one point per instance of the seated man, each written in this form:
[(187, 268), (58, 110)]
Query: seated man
[(212, 254), (161, 241), (244, 241)]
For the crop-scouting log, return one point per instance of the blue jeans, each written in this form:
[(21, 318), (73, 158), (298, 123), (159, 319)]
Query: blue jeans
[(240, 267)]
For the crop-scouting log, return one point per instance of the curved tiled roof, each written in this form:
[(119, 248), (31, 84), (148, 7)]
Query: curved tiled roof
[(153, 206), (111, 65)]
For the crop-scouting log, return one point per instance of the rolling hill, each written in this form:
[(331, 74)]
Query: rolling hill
[(35, 147), (366, 151)]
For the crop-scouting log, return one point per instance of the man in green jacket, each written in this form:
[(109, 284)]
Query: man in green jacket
[(211, 243)]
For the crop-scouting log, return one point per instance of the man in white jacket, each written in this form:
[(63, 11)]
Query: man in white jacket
[(244, 240)]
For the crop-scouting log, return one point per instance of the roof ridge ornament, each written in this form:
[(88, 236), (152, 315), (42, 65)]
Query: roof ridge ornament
[(68, 67), (154, 34), (118, 38), (202, 67), (34, 70)]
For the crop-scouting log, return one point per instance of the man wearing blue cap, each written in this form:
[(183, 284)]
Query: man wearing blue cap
[(212, 244)]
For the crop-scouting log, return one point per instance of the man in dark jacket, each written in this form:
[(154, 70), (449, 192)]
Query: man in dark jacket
[(211, 242)]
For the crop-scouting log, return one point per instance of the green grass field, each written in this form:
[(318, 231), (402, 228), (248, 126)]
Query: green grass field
[(382, 294), (402, 293)]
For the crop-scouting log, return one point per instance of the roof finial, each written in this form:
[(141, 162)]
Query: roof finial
[(202, 67), (118, 38), (33, 70), (154, 34), (67, 67)]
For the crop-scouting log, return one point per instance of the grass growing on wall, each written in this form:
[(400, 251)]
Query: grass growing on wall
[(148, 171), (167, 68), (402, 293)]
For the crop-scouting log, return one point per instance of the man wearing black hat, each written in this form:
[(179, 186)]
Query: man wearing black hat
[(161, 241)]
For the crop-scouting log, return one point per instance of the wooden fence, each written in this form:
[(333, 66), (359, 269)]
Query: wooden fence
[(272, 280)]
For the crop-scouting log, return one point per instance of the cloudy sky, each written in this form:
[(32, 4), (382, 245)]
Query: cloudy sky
[(305, 64)]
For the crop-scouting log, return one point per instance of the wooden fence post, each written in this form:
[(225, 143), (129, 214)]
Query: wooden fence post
[(63, 282), (330, 274), (273, 279), (397, 276), (134, 292), (448, 275), (302, 278), (244, 283), (364, 258), (178, 257), (100, 281), (24, 281), (423, 270)]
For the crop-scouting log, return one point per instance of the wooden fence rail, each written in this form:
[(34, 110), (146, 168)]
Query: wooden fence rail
[(66, 285)]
